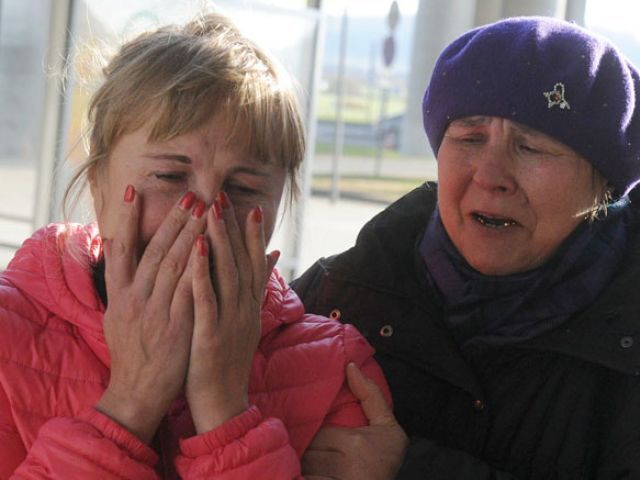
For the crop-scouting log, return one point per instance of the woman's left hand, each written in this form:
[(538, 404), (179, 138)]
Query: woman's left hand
[(226, 329), (374, 452)]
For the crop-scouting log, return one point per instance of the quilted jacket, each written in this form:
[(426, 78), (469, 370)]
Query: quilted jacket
[(54, 366)]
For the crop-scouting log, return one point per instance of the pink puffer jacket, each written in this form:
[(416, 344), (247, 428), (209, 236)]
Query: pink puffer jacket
[(54, 366)]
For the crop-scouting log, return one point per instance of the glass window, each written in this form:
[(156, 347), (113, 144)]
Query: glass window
[(24, 32)]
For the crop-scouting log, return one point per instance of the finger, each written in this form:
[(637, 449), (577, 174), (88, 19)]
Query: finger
[(239, 250), (225, 275), (371, 397), (121, 250), (182, 305), (204, 297), (272, 261), (254, 239), (172, 267), (162, 240)]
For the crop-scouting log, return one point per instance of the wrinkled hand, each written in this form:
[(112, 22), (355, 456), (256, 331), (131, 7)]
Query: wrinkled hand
[(373, 453), (149, 319), (227, 315)]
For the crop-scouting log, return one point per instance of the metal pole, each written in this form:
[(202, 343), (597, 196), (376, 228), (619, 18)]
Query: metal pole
[(295, 237), (56, 96), (339, 134), (575, 11), (384, 98), (371, 97)]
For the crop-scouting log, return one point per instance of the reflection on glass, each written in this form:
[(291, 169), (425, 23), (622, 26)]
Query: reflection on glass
[(23, 43)]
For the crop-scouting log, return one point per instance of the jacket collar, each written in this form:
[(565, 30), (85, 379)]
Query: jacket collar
[(607, 333), (386, 242)]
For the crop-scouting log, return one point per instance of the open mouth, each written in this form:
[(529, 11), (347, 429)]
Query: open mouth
[(494, 222)]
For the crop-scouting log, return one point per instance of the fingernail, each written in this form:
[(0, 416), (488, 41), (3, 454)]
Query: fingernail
[(201, 245), (186, 202), (257, 214), (199, 209), (217, 210), (223, 198), (275, 255), (129, 194)]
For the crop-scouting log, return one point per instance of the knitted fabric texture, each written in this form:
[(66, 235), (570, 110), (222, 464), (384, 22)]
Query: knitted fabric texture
[(548, 74)]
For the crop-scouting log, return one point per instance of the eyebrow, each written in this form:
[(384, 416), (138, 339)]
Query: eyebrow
[(250, 171), (483, 120), (169, 156)]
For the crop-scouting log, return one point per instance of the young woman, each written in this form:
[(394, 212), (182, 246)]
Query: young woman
[(159, 342)]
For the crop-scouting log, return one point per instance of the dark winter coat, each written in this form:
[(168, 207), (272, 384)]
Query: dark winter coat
[(565, 405)]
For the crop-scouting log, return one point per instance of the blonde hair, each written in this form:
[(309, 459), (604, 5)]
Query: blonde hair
[(184, 75)]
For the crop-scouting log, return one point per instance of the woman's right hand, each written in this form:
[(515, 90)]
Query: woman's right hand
[(149, 320)]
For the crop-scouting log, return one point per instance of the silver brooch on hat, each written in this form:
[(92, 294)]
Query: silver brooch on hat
[(556, 97)]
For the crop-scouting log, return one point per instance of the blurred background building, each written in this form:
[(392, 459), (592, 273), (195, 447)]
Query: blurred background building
[(362, 64)]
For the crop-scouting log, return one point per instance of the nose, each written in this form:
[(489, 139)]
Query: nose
[(494, 169), (207, 189)]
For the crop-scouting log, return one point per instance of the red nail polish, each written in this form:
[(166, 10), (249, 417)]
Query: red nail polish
[(129, 194), (223, 198), (217, 210), (199, 209), (186, 202), (201, 245), (257, 214)]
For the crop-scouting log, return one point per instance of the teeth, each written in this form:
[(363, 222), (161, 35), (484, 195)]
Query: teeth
[(493, 222)]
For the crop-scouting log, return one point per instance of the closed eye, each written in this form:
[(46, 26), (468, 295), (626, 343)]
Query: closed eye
[(242, 189), (528, 149), (172, 177), (467, 139)]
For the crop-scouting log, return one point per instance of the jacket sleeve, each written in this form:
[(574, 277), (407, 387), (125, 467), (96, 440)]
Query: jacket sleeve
[(90, 446), (424, 458), (251, 446), (346, 410), (246, 446), (13, 451)]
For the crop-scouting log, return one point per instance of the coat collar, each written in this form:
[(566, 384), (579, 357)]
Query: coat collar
[(607, 333)]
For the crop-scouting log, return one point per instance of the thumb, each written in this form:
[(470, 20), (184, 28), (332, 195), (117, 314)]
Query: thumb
[(371, 398), (272, 259)]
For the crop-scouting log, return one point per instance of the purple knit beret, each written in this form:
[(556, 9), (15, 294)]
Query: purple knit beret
[(548, 74)]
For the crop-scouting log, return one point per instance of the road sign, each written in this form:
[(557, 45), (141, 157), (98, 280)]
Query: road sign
[(388, 50), (393, 17)]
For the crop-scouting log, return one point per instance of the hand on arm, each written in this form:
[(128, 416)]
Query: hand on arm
[(149, 320), (374, 452)]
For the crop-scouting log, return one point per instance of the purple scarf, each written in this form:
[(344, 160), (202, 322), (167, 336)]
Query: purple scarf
[(500, 310)]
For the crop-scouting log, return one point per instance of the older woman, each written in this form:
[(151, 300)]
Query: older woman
[(159, 342), (502, 301)]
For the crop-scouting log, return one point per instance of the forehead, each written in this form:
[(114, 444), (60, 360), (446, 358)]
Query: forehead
[(474, 121), (216, 136)]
